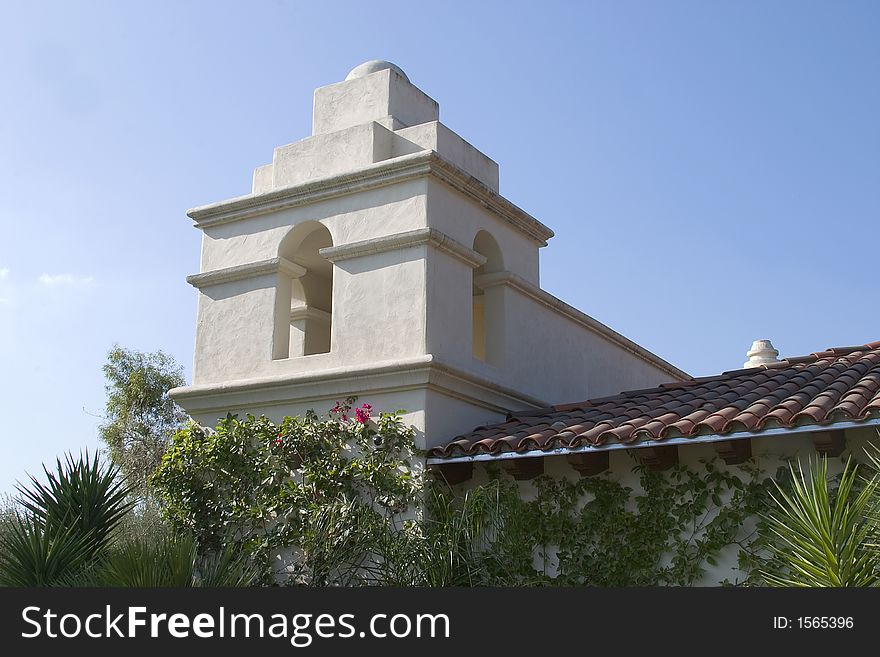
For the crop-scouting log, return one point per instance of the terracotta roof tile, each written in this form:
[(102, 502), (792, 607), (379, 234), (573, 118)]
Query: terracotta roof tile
[(840, 383)]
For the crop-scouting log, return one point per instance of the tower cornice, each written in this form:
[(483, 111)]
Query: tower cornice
[(380, 174)]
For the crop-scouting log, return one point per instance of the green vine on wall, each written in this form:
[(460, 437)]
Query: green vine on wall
[(595, 531)]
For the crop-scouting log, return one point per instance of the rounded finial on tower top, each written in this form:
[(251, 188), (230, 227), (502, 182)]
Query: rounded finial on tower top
[(374, 66)]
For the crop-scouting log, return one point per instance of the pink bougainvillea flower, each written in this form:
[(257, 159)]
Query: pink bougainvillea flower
[(362, 414)]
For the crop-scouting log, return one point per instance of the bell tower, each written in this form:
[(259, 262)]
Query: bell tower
[(377, 258)]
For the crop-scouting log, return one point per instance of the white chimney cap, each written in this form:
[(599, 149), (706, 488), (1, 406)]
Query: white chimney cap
[(761, 353)]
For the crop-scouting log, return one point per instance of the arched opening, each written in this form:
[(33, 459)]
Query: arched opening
[(487, 314), (304, 300)]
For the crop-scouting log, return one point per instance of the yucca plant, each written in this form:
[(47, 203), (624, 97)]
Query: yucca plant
[(457, 532), (162, 562), (173, 561), (81, 494), (451, 545), (823, 539), (337, 545), (32, 556), (62, 527), (227, 568), (66, 532), (873, 452)]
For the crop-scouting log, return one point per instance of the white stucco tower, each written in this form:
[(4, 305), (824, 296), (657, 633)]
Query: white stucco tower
[(377, 258)]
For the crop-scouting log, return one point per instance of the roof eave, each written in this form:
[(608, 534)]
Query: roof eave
[(708, 438)]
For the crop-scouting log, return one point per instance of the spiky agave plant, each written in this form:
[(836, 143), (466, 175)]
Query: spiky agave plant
[(824, 539), (64, 526)]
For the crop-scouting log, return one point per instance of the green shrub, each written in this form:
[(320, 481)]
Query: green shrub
[(326, 487)]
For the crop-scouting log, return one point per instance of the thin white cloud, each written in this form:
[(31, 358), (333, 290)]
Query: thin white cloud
[(4, 273), (71, 280)]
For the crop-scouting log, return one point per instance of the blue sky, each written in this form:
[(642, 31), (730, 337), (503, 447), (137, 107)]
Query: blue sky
[(711, 169)]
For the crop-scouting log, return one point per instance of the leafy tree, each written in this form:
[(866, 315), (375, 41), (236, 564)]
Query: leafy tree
[(140, 417)]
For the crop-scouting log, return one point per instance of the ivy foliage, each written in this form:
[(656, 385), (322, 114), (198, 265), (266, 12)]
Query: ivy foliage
[(341, 499), (597, 532)]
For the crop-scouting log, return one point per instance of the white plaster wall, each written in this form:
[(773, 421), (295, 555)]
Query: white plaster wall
[(446, 415), (461, 219), (328, 154), (449, 298), (553, 357), (233, 329), (546, 354), (262, 179), (370, 98), (378, 302), (378, 315), (351, 218), (403, 304), (379, 308), (385, 402), (771, 452), (437, 137)]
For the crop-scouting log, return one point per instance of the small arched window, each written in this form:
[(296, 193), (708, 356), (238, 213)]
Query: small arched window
[(487, 307), (304, 303)]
